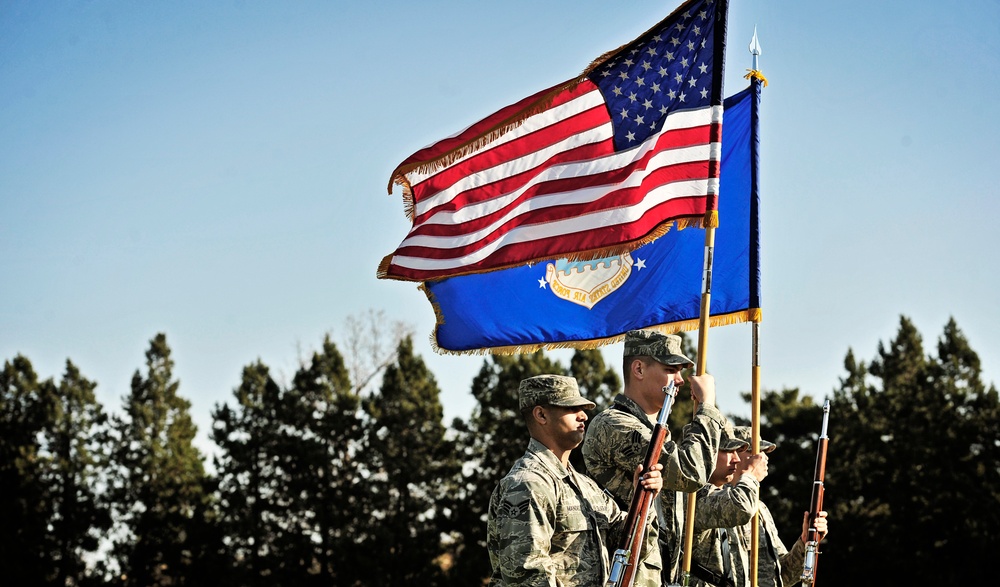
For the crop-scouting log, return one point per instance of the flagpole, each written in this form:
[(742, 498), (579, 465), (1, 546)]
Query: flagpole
[(706, 285), (755, 446), (700, 369), (755, 370), (703, 324)]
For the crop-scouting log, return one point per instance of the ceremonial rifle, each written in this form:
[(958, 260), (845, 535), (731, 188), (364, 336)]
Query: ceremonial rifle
[(816, 504), (626, 558)]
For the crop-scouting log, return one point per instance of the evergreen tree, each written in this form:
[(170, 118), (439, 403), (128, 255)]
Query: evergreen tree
[(211, 562), (913, 464), (793, 422), (26, 509), (250, 476), (598, 383), (978, 449), (161, 484), (79, 445), (53, 457), (410, 460), (494, 437), (325, 492)]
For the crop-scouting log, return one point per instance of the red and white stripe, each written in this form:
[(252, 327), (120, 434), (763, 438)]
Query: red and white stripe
[(543, 189)]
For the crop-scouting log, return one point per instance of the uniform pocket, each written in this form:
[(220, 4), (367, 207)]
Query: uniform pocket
[(572, 542), (571, 519)]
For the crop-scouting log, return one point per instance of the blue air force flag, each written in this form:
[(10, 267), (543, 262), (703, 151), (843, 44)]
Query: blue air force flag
[(562, 303)]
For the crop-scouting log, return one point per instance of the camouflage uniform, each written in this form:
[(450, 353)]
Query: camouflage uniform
[(616, 444), (776, 565), (547, 524), (718, 510)]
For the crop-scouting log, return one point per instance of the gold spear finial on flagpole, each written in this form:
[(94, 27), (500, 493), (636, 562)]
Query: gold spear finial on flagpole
[(754, 72)]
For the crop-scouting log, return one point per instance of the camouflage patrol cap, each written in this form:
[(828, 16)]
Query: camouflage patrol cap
[(665, 348), (551, 390), (729, 441), (744, 433)]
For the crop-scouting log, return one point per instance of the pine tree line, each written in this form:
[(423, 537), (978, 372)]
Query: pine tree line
[(323, 482)]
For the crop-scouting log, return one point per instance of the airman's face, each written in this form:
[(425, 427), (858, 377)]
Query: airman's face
[(727, 464), (744, 455), (566, 425), (658, 376)]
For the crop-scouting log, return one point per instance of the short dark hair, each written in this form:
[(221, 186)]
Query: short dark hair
[(627, 365)]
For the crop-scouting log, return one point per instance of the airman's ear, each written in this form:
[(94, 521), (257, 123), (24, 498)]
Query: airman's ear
[(538, 413), (636, 367)]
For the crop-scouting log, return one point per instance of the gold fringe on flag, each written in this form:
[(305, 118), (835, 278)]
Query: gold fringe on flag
[(607, 56), (398, 176), (383, 267), (738, 317), (585, 255), (757, 75), (628, 247), (409, 206), (711, 219)]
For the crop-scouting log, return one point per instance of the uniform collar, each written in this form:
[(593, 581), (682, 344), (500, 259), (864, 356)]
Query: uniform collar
[(628, 405), (548, 459)]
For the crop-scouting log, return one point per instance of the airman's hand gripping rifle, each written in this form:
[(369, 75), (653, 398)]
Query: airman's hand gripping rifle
[(623, 564), (816, 504)]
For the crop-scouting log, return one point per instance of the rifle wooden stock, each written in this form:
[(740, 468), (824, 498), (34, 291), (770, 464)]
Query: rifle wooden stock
[(626, 558), (816, 503)]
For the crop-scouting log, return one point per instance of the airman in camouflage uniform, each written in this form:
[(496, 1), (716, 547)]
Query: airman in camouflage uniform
[(547, 524), (776, 565), (618, 438), (720, 510)]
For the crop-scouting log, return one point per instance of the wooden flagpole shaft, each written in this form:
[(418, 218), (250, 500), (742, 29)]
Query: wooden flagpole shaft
[(755, 446), (706, 300), (755, 51), (701, 368)]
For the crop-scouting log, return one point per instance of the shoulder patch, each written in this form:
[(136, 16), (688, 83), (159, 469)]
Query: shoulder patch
[(636, 444), (512, 509)]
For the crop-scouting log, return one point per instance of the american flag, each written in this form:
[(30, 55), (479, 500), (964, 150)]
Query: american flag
[(601, 164)]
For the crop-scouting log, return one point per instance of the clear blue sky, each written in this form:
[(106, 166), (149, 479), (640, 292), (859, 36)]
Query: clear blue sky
[(217, 170)]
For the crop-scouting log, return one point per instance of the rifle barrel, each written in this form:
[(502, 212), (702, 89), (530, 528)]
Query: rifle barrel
[(625, 559), (816, 503)]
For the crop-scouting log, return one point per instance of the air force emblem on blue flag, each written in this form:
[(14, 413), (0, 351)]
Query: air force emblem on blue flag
[(587, 282), (561, 303)]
